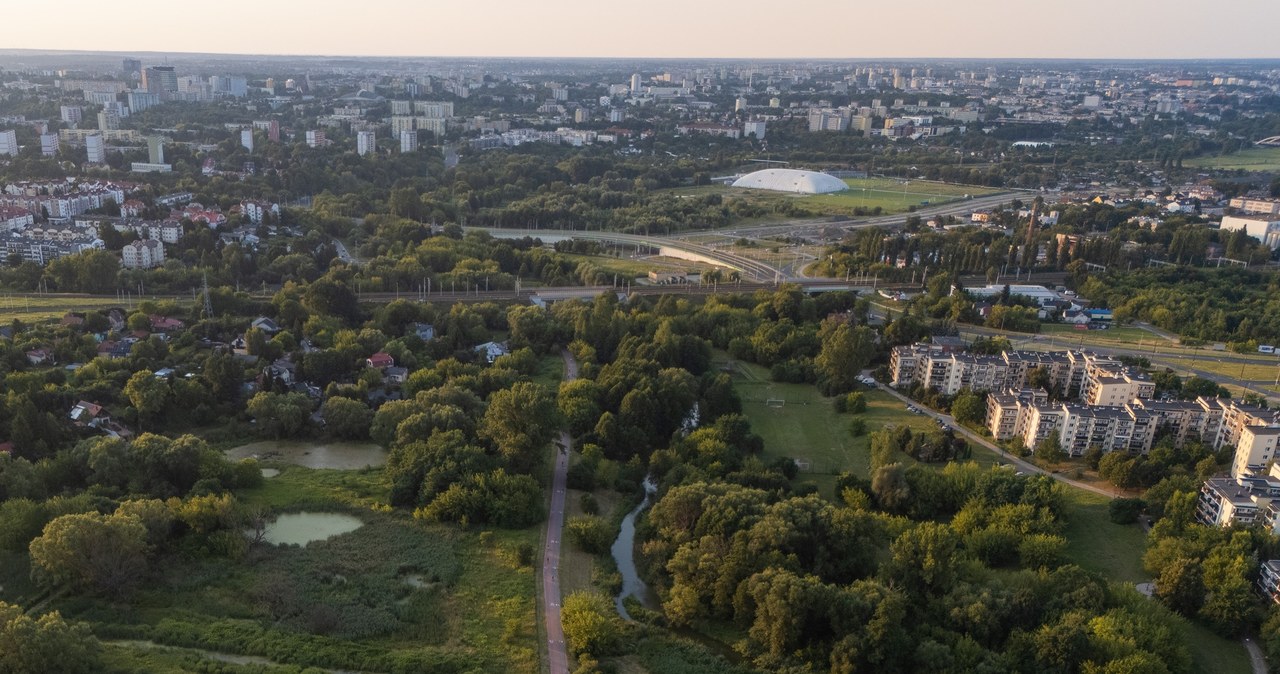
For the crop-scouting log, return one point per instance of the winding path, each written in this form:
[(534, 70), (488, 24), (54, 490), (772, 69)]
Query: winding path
[(557, 654)]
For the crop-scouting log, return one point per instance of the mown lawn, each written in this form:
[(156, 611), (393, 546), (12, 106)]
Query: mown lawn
[(889, 194), (1251, 159), (1100, 545)]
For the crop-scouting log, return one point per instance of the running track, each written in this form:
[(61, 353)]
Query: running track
[(557, 655)]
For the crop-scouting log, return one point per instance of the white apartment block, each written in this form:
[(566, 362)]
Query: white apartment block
[(72, 114), (366, 142), (142, 254), (1225, 501), (408, 140), (1110, 428), (1256, 206), (97, 148), (49, 144), (9, 142), (316, 138), (1255, 448), (433, 109), (1088, 377)]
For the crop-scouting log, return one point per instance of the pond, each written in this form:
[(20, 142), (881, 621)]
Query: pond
[(305, 527), (624, 555), (332, 455)]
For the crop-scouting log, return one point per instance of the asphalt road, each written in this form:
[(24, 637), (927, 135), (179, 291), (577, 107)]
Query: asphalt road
[(557, 654)]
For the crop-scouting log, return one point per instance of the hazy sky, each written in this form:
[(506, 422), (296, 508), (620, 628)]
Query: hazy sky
[(657, 28)]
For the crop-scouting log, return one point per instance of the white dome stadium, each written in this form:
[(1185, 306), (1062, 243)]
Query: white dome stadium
[(791, 180)]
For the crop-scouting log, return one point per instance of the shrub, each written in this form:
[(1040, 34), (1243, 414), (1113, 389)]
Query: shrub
[(1126, 510)]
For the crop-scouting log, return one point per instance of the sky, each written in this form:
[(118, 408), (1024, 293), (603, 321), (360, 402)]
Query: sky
[(659, 28)]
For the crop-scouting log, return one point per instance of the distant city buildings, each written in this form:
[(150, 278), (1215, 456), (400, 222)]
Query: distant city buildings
[(49, 144), (161, 80), (108, 119), (408, 140), (142, 254), (316, 138), (71, 114), (9, 142), (97, 148), (246, 138), (366, 142)]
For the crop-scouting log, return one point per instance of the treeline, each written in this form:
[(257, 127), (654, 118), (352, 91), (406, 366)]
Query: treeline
[(1104, 235), (874, 581), (1229, 304)]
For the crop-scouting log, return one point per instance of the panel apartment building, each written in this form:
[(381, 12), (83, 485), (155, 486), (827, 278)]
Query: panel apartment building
[(1089, 377)]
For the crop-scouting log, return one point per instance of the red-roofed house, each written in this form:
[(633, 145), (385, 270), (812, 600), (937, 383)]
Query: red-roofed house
[(39, 356), (164, 324), (86, 414), (14, 217), (381, 360)]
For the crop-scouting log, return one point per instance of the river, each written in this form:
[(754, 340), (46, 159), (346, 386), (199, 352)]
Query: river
[(625, 557)]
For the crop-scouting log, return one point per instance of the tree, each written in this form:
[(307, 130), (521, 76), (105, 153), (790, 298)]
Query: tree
[(1118, 468), (91, 552), (969, 407), (1181, 586), (280, 415), (224, 375), (44, 644), (148, 394), (346, 418), (1050, 450), (579, 404), (591, 533), (520, 421), (845, 352), (1126, 510), (591, 626), (925, 557), (856, 403)]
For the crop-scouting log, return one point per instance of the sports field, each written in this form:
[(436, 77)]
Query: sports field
[(1252, 159), (888, 194)]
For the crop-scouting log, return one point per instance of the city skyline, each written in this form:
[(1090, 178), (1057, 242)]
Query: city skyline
[(1084, 29)]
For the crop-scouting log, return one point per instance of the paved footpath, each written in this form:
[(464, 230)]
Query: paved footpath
[(557, 654), (978, 439)]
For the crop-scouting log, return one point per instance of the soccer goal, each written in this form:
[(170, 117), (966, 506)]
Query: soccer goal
[(776, 402)]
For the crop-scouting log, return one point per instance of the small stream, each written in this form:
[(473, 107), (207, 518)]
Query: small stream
[(624, 554)]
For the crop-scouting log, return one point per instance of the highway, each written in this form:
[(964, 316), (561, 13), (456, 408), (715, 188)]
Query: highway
[(557, 653)]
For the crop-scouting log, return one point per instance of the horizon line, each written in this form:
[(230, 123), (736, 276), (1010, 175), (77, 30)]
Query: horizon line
[(1102, 59)]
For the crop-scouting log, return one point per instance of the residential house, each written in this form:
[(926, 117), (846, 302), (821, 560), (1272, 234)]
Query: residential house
[(86, 414), (380, 360), (266, 325), (163, 324), (492, 351), (396, 374)]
